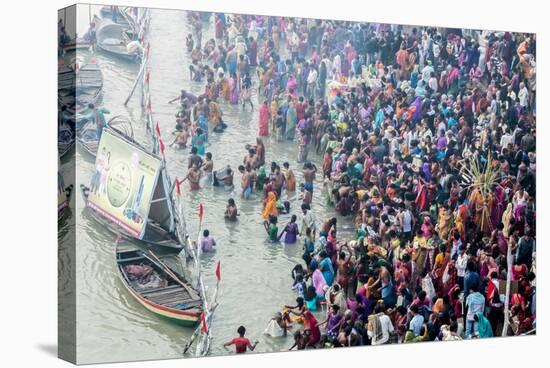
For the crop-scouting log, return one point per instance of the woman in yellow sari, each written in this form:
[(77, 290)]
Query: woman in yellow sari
[(444, 222), (215, 113), (224, 89), (270, 207), (461, 216)]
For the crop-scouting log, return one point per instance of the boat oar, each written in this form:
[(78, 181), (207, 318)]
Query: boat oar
[(169, 272)]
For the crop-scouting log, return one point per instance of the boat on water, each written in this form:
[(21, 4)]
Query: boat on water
[(76, 44), (65, 139), (157, 287), (78, 86), (117, 40), (63, 202), (115, 14), (87, 133), (64, 191), (130, 193)]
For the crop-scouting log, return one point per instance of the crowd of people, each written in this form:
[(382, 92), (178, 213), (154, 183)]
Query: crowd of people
[(427, 138)]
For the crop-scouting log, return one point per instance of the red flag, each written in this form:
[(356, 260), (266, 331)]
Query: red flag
[(148, 47), (201, 212), (178, 189), (203, 320), (149, 105), (161, 143), (218, 275), (157, 128)]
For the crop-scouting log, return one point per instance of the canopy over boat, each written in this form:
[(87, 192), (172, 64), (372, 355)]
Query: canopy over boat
[(87, 133)]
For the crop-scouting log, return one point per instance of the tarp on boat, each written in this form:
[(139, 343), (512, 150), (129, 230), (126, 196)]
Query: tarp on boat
[(124, 183)]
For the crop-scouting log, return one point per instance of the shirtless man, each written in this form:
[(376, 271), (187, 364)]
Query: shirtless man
[(246, 182), (231, 210), (181, 139), (383, 283), (278, 180), (201, 108), (343, 266), (228, 180), (194, 176), (309, 176), (250, 158), (208, 165), (327, 226), (194, 159), (305, 195)]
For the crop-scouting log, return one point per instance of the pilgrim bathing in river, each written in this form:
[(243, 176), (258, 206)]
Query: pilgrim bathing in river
[(398, 161)]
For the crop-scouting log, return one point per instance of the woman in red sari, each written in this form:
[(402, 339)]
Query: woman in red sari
[(311, 325), (263, 120)]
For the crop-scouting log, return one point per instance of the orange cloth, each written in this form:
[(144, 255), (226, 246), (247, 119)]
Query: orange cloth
[(270, 208)]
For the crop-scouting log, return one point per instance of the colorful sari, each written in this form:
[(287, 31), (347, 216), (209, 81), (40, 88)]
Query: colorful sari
[(291, 119), (270, 208), (263, 121), (234, 91)]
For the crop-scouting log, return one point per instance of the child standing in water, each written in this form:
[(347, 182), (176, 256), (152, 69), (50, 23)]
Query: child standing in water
[(272, 229)]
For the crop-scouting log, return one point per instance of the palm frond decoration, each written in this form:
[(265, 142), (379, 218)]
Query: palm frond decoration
[(479, 179)]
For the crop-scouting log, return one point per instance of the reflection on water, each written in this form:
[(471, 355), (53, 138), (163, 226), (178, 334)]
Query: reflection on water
[(255, 274)]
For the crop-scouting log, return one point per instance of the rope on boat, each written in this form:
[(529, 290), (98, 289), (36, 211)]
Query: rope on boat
[(205, 337)]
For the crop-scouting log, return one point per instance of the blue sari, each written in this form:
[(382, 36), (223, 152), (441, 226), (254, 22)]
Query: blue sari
[(327, 270)]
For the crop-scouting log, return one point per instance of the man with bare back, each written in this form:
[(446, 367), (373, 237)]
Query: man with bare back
[(246, 182)]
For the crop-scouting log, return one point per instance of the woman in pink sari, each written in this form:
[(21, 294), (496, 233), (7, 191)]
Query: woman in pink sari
[(263, 120), (233, 90)]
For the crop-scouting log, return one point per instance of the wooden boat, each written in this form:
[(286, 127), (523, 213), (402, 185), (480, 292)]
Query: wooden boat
[(175, 300), (114, 39), (63, 191), (65, 139), (79, 88), (87, 133), (107, 12), (77, 44), (63, 206)]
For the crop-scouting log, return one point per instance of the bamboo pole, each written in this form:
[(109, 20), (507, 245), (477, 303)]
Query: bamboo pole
[(138, 78)]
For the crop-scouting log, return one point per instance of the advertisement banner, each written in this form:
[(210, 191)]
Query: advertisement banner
[(123, 183)]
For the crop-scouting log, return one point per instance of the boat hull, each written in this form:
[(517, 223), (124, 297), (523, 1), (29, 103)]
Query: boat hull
[(181, 318)]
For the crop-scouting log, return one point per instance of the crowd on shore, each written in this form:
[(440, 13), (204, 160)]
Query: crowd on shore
[(428, 142)]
